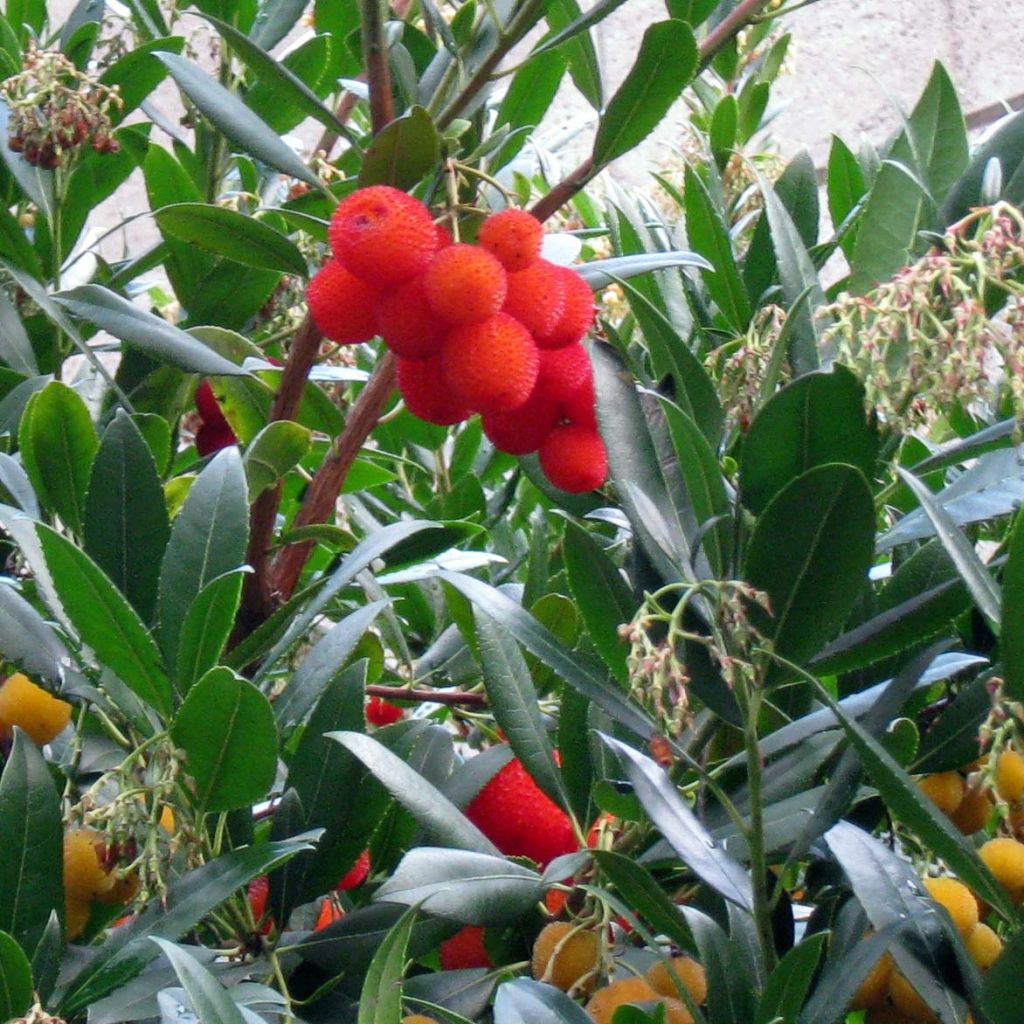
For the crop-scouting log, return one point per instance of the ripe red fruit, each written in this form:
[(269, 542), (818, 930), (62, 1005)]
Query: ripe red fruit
[(513, 236), (409, 327), (207, 406), (465, 949), (574, 458), (536, 297), (464, 284), (426, 395), (444, 237), (342, 305), (563, 371), (259, 890), (519, 818), (382, 712), (491, 366), (580, 407), (577, 316), (329, 913), (522, 430), (383, 235), (357, 874), (211, 437)]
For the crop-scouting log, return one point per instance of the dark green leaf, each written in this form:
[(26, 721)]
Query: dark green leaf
[(578, 51), (528, 99), (524, 1001), (28, 641), (788, 985), (15, 979), (15, 346), (846, 188), (272, 453), (210, 1000), (138, 73), (722, 134), (207, 627), (226, 728), (231, 234), (730, 988), (1003, 986), (1012, 637), (35, 182), (403, 153), (380, 1001), (1005, 146), (663, 68)]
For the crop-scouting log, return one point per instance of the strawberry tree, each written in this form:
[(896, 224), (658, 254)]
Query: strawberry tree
[(442, 587)]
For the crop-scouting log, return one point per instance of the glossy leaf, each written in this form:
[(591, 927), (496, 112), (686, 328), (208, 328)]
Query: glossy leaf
[(788, 985), (15, 485), (403, 153), (579, 51), (207, 627), (601, 273), (530, 95), (273, 452), (226, 728), (15, 346), (1012, 615), (1003, 986), (210, 1000), (1005, 146), (28, 640), (380, 1000), (524, 1001), (846, 187), (16, 988)]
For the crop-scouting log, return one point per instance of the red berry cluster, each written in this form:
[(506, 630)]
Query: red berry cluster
[(214, 430), (490, 328)]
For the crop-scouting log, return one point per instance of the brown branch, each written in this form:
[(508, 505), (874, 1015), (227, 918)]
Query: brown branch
[(575, 181), (375, 61), (737, 19), (427, 696)]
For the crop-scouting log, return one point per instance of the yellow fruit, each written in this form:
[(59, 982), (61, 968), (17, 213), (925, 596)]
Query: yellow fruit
[(886, 1014), (1005, 859), (1010, 776), (84, 877), (566, 956), (874, 987), (690, 974), (167, 819), (76, 916), (604, 1002), (973, 812), (957, 899), (32, 708), (984, 947), (676, 1012), (124, 889), (944, 789), (907, 1001), (418, 1018)]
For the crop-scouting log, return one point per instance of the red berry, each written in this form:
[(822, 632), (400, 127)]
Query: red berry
[(522, 430), (563, 371), (342, 306), (409, 327), (444, 237), (513, 236), (208, 407), (519, 818), (329, 913), (577, 316), (465, 949), (580, 407), (259, 890), (211, 437), (491, 366), (574, 458), (536, 297), (383, 235), (357, 874), (465, 284), (426, 395), (382, 712)]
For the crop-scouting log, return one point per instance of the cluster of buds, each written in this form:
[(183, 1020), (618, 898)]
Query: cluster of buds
[(926, 340), (1005, 720), (55, 109)]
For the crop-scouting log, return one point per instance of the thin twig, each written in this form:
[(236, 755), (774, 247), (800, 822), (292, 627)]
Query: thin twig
[(737, 19), (427, 696)]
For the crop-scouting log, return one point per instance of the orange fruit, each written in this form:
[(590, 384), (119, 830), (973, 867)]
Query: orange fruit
[(84, 875), (957, 899), (409, 327), (513, 237), (522, 430), (465, 284), (536, 297), (577, 315), (874, 987), (31, 708), (1010, 776), (974, 811), (944, 789), (605, 1001), (566, 956), (689, 972), (984, 947), (1005, 859)]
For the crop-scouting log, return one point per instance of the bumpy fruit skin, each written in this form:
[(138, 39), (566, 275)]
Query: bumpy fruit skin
[(383, 235), (1005, 859), (357, 874), (536, 297), (342, 305), (973, 813), (329, 913), (513, 237), (676, 1012), (491, 366), (874, 987), (574, 458), (563, 372), (465, 949), (409, 327), (581, 407), (522, 430), (984, 947), (944, 789), (905, 998), (258, 892), (465, 285), (519, 818), (605, 1001), (84, 876), (566, 956), (690, 974), (421, 382), (957, 899), (1010, 776), (383, 712), (577, 315), (24, 704), (76, 916)]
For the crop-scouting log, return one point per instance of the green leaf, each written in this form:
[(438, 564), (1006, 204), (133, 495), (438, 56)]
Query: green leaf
[(35, 182), (28, 641), (788, 985), (1005, 146), (403, 153), (278, 448), (973, 572), (126, 524), (1012, 635), (238, 123), (435, 813), (380, 1001), (810, 551), (731, 990), (462, 885), (81, 595), (16, 989), (1003, 986), (138, 73), (236, 236), (208, 539), (226, 728), (15, 346), (31, 855), (144, 330), (579, 51), (708, 235), (207, 627), (530, 95), (525, 1001), (817, 419), (601, 594), (722, 134), (58, 443), (664, 67), (210, 1000), (846, 188), (513, 701)]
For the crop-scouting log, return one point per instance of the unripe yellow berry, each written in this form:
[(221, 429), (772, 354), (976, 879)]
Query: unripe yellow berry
[(604, 1002), (973, 812), (1010, 776), (30, 707), (566, 956), (418, 1018), (84, 876), (1005, 859), (873, 988), (984, 947), (76, 916), (676, 1012), (907, 1001), (957, 899), (944, 789), (690, 974)]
